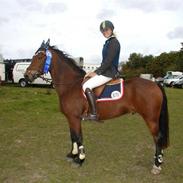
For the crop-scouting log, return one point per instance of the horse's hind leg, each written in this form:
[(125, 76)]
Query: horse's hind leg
[(158, 158), (77, 153), (160, 130)]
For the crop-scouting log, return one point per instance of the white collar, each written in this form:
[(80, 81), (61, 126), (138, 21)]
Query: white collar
[(110, 37)]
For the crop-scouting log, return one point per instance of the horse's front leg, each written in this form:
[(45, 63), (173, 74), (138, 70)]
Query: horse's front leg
[(77, 153)]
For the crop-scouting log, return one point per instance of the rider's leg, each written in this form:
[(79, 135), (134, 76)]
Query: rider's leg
[(95, 81), (87, 87), (92, 104)]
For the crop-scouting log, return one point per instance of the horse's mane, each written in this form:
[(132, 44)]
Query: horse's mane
[(70, 61)]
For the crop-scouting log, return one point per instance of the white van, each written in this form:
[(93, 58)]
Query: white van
[(174, 73), (18, 75), (2, 71)]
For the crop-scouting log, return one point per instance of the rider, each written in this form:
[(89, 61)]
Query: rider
[(107, 70)]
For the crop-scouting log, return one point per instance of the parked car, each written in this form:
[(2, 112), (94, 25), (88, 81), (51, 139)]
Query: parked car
[(178, 84), (167, 79), (18, 75), (171, 79), (160, 80)]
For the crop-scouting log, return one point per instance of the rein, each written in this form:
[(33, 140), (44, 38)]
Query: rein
[(45, 79), (57, 84)]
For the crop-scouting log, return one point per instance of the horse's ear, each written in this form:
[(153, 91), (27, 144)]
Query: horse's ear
[(42, 44), (48, 42)]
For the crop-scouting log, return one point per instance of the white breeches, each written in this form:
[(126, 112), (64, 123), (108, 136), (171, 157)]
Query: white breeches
[(95, 82)]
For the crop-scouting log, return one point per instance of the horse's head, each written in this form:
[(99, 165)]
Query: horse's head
[(38, 64)]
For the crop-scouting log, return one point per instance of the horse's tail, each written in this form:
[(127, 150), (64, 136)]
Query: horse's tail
[(163, 140)]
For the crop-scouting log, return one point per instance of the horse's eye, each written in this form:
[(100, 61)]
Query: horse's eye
[(40, 56)]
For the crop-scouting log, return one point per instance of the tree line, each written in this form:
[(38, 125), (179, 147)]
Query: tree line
[(157, 65)]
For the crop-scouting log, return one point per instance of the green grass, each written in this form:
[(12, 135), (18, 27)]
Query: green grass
[(34, 139)]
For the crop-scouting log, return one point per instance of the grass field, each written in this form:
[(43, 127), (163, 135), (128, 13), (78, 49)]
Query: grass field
[(34, 139)]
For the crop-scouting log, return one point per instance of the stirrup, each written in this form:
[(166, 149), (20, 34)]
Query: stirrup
[(90, 117)]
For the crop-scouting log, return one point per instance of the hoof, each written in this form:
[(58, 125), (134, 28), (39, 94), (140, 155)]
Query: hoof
[(77, 162), (70, 157), (156, 170), (75, 165)]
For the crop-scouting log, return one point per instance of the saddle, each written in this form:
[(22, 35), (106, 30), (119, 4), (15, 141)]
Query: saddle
[(98, 90)]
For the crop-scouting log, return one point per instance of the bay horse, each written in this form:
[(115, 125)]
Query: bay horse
[(140, 96)]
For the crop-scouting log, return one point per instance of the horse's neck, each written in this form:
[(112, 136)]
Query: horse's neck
[(63, 76)]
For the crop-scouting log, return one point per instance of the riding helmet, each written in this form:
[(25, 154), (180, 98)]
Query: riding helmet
[(106, 25)]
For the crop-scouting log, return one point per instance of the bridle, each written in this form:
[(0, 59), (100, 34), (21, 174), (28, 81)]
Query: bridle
[(46, 69)]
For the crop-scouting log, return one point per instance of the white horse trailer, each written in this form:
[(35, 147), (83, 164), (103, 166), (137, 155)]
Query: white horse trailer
[(2, 72)]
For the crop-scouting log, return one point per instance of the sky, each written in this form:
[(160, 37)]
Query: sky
[(141, 26)]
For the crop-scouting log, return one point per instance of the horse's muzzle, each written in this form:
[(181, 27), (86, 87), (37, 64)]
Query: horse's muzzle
[(31, 75)]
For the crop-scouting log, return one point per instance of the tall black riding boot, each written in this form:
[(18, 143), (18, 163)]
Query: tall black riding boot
[(92, 104)]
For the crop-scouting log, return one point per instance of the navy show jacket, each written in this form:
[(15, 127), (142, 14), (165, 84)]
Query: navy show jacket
[(110, 58)]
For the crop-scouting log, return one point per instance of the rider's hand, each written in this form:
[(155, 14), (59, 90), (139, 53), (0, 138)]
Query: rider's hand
[(90, 74)]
